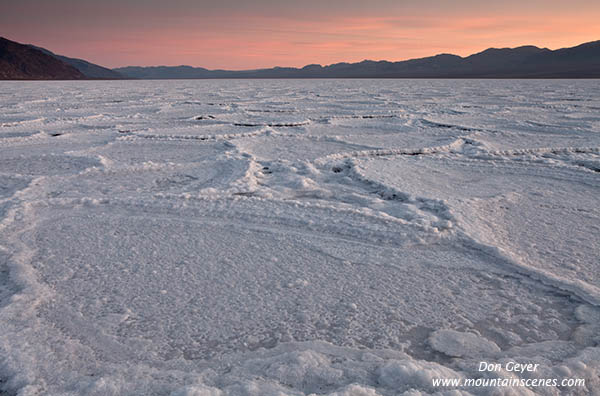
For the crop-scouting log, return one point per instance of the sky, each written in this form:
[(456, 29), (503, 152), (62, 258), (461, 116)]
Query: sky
[(250, 34)]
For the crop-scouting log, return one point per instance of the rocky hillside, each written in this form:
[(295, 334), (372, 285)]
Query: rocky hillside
[(22, 62)]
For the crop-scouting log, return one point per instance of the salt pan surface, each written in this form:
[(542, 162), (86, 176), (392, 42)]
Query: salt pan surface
[(353, 238)]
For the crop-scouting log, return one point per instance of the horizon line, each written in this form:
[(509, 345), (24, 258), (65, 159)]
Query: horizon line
[(348, 62)]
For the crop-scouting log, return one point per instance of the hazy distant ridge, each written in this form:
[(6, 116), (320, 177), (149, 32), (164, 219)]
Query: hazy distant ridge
[(88, 69), (582, 61)]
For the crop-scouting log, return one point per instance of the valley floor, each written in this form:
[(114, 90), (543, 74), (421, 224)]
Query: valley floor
[(282, 237)]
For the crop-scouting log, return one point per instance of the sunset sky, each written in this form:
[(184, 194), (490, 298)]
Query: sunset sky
[(236, 34)]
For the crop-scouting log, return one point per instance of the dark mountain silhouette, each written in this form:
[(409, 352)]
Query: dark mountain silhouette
[(582, 61), (89, 70), (22, 62), (18, 62)]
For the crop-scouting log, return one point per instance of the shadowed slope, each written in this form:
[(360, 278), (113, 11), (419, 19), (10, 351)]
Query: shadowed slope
[(21, 62)]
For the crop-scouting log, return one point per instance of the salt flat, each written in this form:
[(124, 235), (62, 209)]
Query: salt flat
[(286, 237)]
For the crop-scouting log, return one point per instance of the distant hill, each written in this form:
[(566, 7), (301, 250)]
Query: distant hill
[(170, 72), (89, 70), (22, 62), (582, 61), (27, 62)]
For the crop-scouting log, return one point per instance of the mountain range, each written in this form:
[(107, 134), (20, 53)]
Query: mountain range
[(19, 61)]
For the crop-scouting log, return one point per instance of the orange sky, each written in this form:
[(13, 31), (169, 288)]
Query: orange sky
[(235, 34)]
